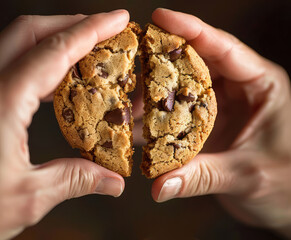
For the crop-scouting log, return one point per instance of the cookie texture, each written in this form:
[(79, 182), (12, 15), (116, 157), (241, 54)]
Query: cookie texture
[(179, 103), (91, 104)]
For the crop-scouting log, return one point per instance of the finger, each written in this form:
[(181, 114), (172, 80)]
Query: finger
[(230, 57), (48, 98), (77, 177), (26, 31), (61, 179), (229, 172), (42, 68)]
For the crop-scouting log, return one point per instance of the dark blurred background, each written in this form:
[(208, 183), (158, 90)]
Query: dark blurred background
[(265, 25)]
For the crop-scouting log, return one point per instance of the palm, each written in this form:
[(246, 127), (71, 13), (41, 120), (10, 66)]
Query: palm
[(233, 114)]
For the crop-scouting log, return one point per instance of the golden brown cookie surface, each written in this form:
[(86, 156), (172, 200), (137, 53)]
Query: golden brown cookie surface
[(91, 105), (180, 105)]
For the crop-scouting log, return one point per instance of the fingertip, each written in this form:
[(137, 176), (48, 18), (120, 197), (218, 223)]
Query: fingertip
[(161, 10), (182, 24), (122, 19), (115, 177), (79, 16), (157, 13), (156, 187), (108, 24), (126, 16), (167, 188), (120, 179), (172, 184), (119, 11), (122, 13), (158, 184), (110, 186)]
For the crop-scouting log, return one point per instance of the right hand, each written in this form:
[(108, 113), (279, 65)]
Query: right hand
[(249, 163)]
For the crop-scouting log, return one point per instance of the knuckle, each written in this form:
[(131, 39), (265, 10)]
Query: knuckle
[(79, 15), (57, 41), (282, 73), (60, 43), (279, 79), (230, 36), (275, 69), (258, 179), (203, 179), (81, 182)]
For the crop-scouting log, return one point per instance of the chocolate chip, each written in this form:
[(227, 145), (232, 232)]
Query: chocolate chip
[(181, 135), (203, 105), (92, 90), (107, 144), (192, 107), (102, 72), (175, 54), (68, 115), (146, 157), (76, 72), (83, 133), (73, 93), (122, 81), (189, 98), (159, 105), (95, 49), (101, 65), (118, 116), (175, 145), (168, 103), (114, 116)]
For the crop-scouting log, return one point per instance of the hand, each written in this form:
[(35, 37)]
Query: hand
[(36, 53), (250, 166)]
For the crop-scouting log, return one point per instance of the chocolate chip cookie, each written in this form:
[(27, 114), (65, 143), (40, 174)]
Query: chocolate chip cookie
[(91, 104), (179, 103)]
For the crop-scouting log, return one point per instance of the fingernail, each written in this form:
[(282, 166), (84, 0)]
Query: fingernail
[(170, 189), (117, 11), (109, 186)]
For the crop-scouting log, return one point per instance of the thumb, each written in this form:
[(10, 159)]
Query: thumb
[(53, 182), (227, 172), (70, 178)]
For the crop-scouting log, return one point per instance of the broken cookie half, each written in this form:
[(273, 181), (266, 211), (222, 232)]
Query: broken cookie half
[(91, 104), (94, 112), (179, 102)]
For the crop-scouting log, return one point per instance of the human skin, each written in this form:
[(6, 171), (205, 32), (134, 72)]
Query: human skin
[(248, 165), (249, 161), (44, 49)]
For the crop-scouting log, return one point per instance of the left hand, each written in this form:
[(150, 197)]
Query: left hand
[(36, 53)]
